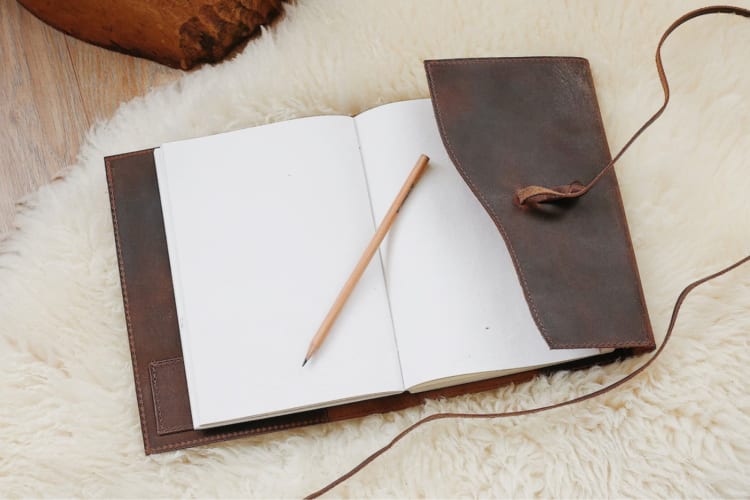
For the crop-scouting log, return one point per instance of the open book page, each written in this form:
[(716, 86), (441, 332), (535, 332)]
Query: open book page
[(457, 305), (263, 227)]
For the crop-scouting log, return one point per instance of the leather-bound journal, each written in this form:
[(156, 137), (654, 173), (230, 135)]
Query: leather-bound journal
[(231, 248)]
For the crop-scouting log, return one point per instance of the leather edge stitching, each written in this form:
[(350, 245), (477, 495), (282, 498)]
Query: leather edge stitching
[(228, 435), (124, 286), (647, 330)]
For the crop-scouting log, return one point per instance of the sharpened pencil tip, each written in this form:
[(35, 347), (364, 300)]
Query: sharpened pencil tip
[(304, 362)]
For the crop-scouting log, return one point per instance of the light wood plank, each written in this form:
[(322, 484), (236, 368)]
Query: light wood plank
[(41, 111), (107, 78), (52, 88)]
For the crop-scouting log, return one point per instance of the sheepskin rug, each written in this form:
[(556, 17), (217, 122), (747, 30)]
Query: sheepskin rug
[(69, 424)]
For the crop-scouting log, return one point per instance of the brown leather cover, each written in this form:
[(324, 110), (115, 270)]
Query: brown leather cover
[(514, 122), (148, 294)]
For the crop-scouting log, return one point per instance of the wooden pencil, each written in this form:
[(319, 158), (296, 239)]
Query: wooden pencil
[(372, 247)]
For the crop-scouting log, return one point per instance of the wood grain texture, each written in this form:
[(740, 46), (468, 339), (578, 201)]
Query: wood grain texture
[(52, 88), (106, 79), (41, 111)]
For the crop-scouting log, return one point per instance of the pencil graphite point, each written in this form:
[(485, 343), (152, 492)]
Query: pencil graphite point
[(304, 362)]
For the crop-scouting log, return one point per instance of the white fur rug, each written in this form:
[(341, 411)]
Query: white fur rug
[(68, 419)]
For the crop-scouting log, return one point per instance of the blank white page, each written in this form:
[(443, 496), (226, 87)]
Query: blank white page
[(457, 305), (263, 227)]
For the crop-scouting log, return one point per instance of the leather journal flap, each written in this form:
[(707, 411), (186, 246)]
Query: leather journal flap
[(513, 122)]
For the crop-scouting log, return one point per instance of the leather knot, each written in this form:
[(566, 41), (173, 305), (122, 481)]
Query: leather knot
[(532, 195)]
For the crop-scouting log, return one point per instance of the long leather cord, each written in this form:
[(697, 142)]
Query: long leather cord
[(535, 194), (617, 383)]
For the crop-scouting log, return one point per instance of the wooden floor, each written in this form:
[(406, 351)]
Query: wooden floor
[(52, 89)]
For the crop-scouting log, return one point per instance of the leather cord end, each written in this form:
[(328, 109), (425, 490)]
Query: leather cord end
[(533, 195)]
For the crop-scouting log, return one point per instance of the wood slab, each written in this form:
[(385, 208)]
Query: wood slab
[(178, 33)]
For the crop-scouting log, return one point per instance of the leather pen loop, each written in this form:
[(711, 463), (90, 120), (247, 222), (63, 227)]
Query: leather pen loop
[(530, 196)]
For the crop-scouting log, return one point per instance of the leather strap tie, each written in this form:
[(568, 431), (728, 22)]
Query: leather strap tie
[(537, 194), (531, 196)]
